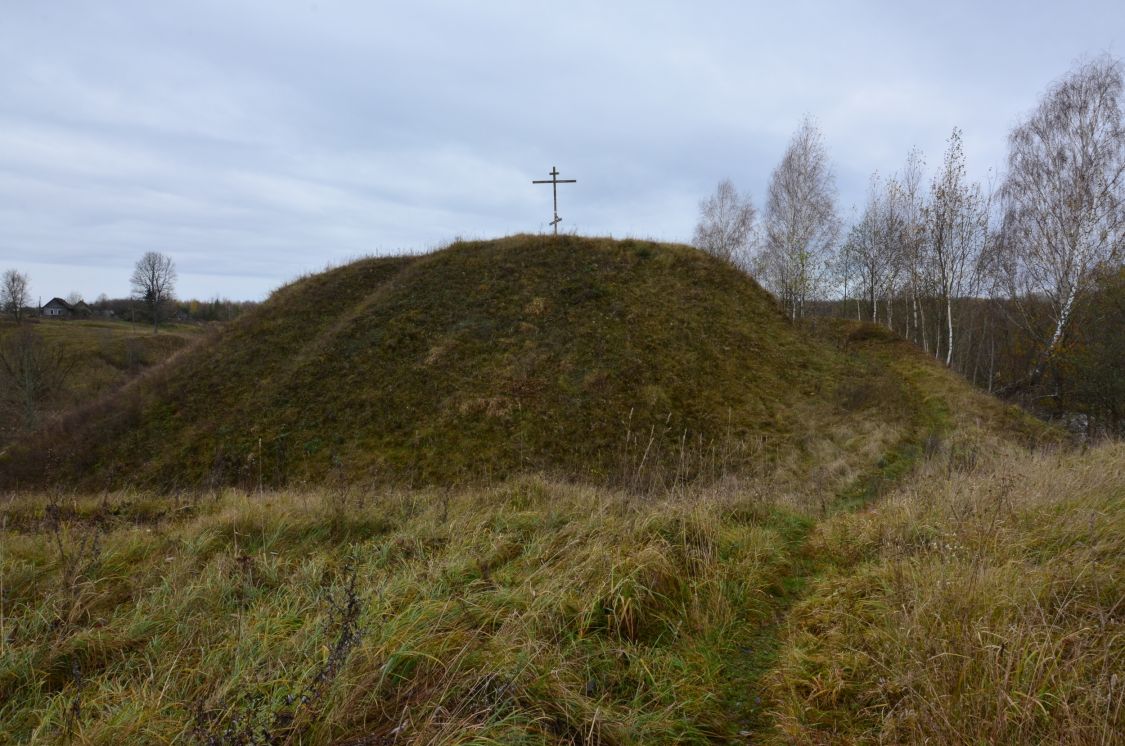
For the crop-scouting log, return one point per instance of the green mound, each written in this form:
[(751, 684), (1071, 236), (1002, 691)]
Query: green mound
[(593, 359)]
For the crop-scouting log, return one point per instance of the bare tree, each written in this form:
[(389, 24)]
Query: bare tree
[(801, 221), (32, 371), (74, 297), (911, 252), (13, 293), (726, 224), (893, 235), (957, 229), (845, 272), (874, 243), (154, 282), (1063, 201)]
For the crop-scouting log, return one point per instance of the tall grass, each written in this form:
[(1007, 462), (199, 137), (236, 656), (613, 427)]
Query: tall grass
[(976, 604), (958, 587), (527, 613), (980, 600)]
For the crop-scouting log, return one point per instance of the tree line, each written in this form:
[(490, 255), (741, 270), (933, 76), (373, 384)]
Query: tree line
[(1017, 285), (153, 298)]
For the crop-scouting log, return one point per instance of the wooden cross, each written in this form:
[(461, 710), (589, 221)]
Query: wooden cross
[(554, 181)]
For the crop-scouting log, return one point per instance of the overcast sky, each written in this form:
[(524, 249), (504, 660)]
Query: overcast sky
[(254, 141)]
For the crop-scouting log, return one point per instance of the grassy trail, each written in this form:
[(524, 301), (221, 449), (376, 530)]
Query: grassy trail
[(745, 692)]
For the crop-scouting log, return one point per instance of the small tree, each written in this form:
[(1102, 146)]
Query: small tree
[(726, 224), (154, 282), (873, 249), (13, 293), (801, 221), (912, 251), (956, 232)]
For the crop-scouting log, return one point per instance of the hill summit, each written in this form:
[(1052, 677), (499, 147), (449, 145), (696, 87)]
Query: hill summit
[(596, 359)]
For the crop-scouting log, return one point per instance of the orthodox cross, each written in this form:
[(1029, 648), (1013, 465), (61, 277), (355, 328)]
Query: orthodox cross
[(554, 181)]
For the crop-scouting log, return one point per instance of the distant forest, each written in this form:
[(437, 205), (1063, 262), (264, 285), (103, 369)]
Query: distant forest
[(216, 309)]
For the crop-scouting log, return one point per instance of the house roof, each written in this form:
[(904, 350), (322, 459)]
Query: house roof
[(57, 302)]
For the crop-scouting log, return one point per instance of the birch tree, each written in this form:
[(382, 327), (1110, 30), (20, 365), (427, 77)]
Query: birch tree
[(1063, 201), (911, 252), (957, 229), (726, 224), (801, 221), (863, 248)]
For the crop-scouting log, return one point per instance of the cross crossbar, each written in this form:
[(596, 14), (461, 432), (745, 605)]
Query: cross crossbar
[(554, 181)]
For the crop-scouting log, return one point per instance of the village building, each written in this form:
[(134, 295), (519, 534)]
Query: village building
[(56, 308)]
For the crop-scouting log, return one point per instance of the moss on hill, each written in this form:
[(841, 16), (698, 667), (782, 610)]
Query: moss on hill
[(594, 359)]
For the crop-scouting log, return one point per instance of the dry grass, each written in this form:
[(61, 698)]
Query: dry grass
[(527, 613), (973, 603), (982, 602), (964, 583)]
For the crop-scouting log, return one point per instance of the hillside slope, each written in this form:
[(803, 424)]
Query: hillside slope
[(99, 356), (609, 361)]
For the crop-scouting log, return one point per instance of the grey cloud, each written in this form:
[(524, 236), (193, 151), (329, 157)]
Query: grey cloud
[(257, 140)]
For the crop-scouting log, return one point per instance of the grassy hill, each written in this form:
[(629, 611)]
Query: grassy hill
[(762, 533), (621, 362)]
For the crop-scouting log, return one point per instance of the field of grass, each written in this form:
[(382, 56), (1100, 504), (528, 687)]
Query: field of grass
[(975, 604), (531, 612), (973, 601), (868, 550), (965, 588)]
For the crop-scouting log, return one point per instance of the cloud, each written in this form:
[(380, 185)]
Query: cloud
[(254, 141)]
